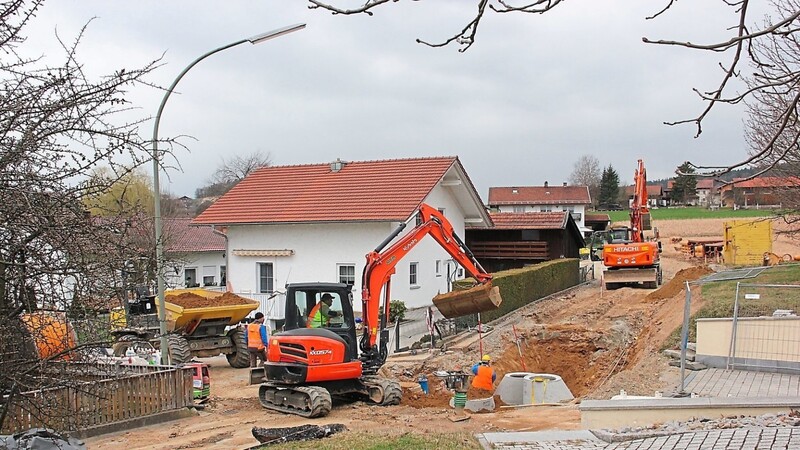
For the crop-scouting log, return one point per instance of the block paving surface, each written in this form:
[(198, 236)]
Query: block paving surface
[(733, 439), (706, 383)]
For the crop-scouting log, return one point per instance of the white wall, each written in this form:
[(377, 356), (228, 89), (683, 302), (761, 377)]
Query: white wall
[(318, 248), (194, 260)]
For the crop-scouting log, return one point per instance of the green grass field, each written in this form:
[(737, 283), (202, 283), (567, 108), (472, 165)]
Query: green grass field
[(720, 296), (691, 213)]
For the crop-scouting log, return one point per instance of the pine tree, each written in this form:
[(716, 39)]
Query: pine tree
[(685, 186), (609, 186)]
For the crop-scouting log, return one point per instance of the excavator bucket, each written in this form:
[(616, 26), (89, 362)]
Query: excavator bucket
[(481, 298)]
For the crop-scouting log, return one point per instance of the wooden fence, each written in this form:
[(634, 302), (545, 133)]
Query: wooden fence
[(87, 404), (510, 249)]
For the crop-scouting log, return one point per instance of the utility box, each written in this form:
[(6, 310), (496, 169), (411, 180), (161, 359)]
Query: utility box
[(746, 241)]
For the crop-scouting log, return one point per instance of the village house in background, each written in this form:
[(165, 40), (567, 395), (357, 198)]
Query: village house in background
[(520, 239), (708, 193), (195, 255), (763, 192), (524, 199), (317, 222), (657, 195)]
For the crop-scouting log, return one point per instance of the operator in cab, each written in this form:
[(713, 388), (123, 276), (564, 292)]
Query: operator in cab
[(256, 340), (484, 374), (321, 313)]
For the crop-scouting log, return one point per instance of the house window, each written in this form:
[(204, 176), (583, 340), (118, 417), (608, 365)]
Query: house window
[(546, 209), (438, 267), (347, 273), (209, 275), (223, 275), (519, 209), (190, 276), (412, 274), (266, 278), (419, 219)]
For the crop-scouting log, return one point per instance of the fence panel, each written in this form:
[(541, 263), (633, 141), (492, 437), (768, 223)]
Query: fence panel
[(101, 402), (765, 333)]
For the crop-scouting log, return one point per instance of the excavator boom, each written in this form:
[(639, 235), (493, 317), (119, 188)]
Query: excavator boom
[(381, 264)]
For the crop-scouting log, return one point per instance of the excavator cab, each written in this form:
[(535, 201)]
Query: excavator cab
[(302, 312)]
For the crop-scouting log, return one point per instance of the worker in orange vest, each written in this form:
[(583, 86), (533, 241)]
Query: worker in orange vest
[(484, 374), (256, 340)]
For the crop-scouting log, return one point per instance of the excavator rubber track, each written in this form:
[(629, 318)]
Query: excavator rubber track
[(383, 391), (306, 401)]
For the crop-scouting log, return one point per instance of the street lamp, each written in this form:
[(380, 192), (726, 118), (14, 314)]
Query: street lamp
[(162, 319)]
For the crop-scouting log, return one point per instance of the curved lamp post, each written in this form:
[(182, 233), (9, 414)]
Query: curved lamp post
[(162, 322)]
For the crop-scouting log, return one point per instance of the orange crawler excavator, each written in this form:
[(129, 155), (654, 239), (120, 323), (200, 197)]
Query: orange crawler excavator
[(630, 258), (317, 355)]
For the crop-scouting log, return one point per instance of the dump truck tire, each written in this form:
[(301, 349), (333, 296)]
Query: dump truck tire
[(179, 351), (123, 342), (240, 358)]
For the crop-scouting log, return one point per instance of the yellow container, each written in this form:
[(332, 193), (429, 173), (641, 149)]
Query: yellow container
[(746, 241), (178, 316)]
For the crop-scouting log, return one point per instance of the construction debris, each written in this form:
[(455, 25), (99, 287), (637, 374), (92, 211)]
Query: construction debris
[(271, 436), (460, 303)]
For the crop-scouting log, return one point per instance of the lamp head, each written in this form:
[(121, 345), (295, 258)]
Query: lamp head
[(259, 38)]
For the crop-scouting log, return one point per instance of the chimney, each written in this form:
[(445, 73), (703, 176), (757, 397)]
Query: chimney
[(337, 165), (565, 184), (545, 184)]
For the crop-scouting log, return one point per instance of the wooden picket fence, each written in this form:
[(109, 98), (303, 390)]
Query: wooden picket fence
[(140, 392)]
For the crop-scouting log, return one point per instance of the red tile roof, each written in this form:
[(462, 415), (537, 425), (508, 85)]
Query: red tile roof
[(386, 190), (529, 221), (705, 183), (539, 195), (179, 237), (596, 217), (769, 182), (653, 190)]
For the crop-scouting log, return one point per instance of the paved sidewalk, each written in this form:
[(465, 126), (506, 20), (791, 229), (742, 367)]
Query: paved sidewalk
[(735, 439), (740, 383)]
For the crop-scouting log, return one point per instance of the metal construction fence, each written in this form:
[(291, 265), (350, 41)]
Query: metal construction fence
[(765, 332)]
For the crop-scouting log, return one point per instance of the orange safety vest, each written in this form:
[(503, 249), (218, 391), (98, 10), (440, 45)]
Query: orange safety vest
[(315, 317), (483, 380), (254, 336)]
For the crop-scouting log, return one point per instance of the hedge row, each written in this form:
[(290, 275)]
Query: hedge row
[(518, 287)]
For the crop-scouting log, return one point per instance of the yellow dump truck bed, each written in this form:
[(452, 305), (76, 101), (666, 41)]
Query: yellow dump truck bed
[(178, 316)]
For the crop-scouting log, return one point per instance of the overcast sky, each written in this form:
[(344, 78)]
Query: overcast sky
[(519, 107)]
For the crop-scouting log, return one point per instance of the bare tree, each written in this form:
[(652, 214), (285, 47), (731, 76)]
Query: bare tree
[(235, 169), (57, 263), (586, 172)]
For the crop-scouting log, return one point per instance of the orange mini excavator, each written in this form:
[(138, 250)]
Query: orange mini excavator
[(629, 258), (317, 355)]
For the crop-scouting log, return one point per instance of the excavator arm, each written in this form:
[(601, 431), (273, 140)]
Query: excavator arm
[(639, 210), (380, 267)]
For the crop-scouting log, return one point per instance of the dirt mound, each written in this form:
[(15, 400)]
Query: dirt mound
[(190, 300), (674, 286)]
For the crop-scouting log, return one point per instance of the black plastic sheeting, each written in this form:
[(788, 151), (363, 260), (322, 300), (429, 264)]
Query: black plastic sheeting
[(40, 439), (270, 436)]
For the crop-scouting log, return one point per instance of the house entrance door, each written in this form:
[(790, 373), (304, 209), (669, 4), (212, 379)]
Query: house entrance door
[(190, 275)]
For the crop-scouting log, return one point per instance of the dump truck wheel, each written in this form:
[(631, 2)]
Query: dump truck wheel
[(179, 351), (123, 342), (240, 358)]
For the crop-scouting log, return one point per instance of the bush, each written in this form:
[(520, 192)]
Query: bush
[(397, 310), (518, 287)]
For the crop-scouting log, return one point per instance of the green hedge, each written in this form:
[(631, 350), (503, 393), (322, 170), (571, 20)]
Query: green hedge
[(518, 287)]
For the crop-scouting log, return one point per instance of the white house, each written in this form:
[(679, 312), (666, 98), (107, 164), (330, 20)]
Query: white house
[(196, 255), (309, 223), (546, 198)]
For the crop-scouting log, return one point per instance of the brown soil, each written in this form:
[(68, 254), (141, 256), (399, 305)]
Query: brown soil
[(189, 300), (598, 341)]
